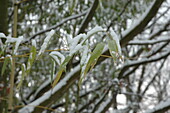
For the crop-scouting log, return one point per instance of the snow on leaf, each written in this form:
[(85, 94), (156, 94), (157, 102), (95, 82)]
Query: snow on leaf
[(92, 60), (4, 65), (92, 32), (45, 43), (31, 59), (2, 35), (57, 56), (73, 42), (17, 42), (34, 43), (23, 68), (61, 69)]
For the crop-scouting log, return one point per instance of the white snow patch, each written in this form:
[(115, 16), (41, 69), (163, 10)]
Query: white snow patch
[(2, 35), (34, 43)]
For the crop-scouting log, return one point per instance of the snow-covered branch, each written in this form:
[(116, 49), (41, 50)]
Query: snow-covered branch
[(52, 94), (57, 25), (148, 42), (146, 60), (138, 27), (161, 107), (88, 16)]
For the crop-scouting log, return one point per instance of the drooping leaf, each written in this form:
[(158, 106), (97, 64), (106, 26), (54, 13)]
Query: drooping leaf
[(92, 60), (45, 43), (61, 69), (22, 77), (4, 65), (52, 69), (114, 45), (31, 59), (113, 49)]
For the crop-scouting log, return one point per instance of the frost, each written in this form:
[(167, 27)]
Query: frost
[(46, 41), (57, 56)]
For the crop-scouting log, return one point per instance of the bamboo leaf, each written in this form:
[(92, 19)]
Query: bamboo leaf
[(31, 59), (52, 69), (113, 49), (61, 69), (92, 60), (4, 65), (22, 77)]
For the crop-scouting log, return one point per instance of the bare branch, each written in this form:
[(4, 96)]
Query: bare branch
[(88, 17)]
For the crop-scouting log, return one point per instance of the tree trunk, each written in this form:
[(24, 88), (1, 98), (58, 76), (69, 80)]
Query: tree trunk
[(3, 78)]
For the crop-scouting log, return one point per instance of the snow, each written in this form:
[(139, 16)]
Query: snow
[(116, 38), (103, 105), (73, 43), (77, 48), (94, 30), (16, 40), (34, 43), (84, 55), (160, 106), (46, 41), (58, 57), (142, 42), (137, 22), (30, 107), (2, 35)]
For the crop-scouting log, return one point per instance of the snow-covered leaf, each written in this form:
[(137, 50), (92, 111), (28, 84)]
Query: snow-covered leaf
[(45, 43), (58, 57), (61, 69), (23, 68), (4, 65), (17, 42), (114, 45), (31, 58), (52, 69), (92, 60)]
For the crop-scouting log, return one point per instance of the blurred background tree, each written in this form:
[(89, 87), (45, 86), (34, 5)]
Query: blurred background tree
[(139, 83)]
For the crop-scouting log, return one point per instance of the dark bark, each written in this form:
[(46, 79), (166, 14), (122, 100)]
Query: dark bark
[(3, 78)]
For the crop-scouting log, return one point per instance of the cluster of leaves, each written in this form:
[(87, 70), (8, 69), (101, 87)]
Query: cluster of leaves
[(78, 45)]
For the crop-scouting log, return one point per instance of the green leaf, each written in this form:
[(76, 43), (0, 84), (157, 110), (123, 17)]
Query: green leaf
[(61, 69), (5, 65), (31, 59), (92, 60), (52, 69), (22, 77), (113, 49)]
